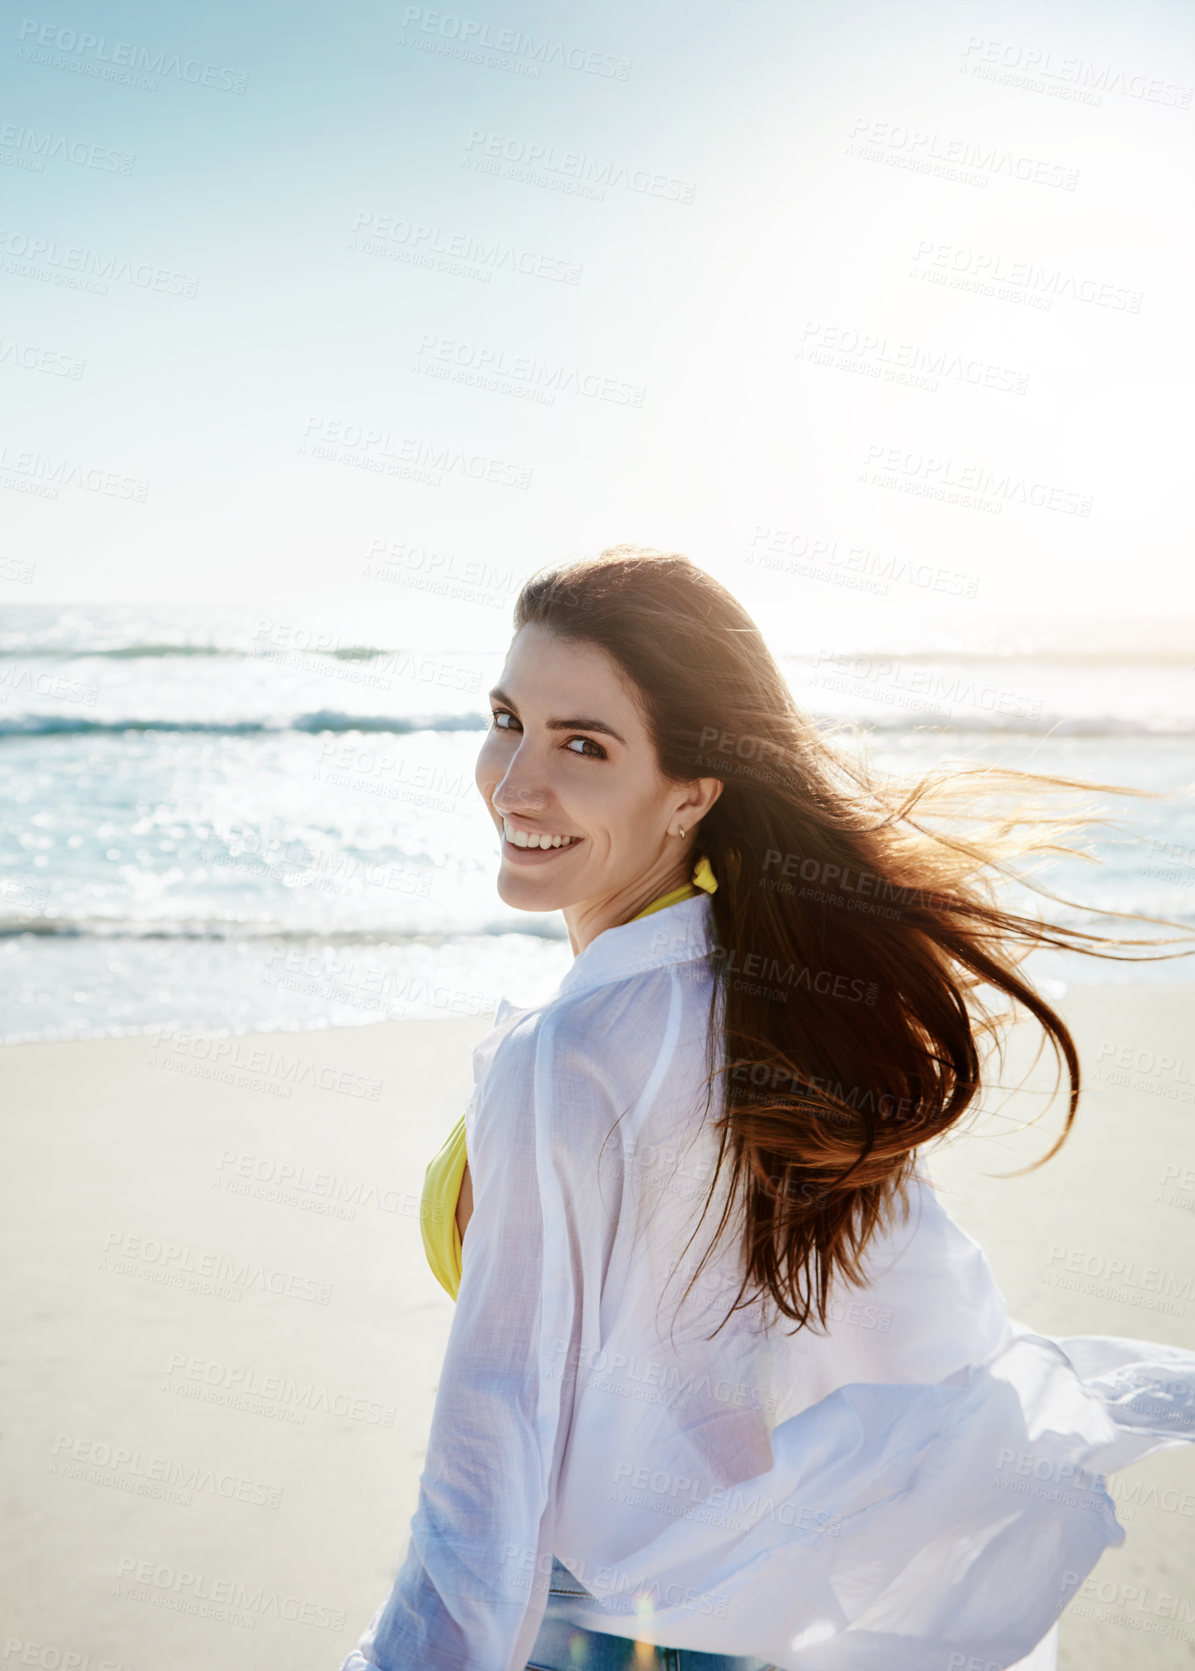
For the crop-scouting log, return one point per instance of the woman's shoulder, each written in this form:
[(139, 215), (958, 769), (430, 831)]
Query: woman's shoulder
[(597, 1021), (607, 1039)]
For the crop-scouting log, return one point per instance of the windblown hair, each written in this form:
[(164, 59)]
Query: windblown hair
[(832, 893)]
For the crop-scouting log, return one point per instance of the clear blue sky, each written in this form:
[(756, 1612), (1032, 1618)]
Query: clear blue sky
[(723, 365)]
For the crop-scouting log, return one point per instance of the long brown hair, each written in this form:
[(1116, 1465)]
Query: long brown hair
[(830, 885)]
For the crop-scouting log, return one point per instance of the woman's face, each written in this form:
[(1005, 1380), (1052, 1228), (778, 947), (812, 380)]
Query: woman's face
[(568, 755)]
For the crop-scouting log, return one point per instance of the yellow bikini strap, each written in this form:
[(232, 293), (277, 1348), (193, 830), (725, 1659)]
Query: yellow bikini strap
[(703, 876)]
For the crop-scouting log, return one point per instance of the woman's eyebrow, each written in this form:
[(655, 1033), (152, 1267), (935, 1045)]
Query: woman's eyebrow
[(497, 695)]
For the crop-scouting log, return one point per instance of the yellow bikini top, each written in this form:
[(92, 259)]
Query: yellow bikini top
[(446, 1171)]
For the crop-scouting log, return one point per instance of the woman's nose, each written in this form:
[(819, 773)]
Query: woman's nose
[(521, 788)]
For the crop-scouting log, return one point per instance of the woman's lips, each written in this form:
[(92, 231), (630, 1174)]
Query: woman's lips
[(536, 855)]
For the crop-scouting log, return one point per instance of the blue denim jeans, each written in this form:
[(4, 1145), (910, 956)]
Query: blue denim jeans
[(564, 1646)]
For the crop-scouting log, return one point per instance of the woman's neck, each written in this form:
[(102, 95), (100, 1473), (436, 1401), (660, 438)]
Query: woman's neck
[(591, 917)]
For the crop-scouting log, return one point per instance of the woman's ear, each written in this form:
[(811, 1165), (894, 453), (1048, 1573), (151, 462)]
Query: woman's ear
[(703, 792)]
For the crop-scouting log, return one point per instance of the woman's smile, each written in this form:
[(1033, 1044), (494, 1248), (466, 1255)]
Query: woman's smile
[(534, 846)]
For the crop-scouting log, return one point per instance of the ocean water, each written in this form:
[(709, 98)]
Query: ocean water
[(213, 821)]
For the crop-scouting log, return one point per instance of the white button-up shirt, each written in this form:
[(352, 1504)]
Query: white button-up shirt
[(919, 1482)]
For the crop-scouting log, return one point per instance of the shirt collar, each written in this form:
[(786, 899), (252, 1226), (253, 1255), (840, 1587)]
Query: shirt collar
[(676, 934)]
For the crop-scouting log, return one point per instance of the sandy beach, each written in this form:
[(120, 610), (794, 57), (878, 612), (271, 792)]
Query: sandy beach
[(223, 1339)]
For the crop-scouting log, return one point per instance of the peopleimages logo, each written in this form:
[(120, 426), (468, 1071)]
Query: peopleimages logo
[(412, 457), (1076, 78), (35, 149), (49, 474), (486, 152), (244, 1388), (526, 52), (122, 55), (991, 273), (32, 256), (934, 476), (449, 356), (779, 976), (871, 137), (187, 1586)]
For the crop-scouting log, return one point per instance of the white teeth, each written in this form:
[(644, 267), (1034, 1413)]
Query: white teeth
[(520, 838)]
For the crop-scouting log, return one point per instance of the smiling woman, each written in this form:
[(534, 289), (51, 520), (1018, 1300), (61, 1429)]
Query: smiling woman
[(589, 824), (906, 1478)]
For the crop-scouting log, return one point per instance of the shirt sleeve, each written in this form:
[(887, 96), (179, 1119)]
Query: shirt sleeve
[(471, 1593)]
